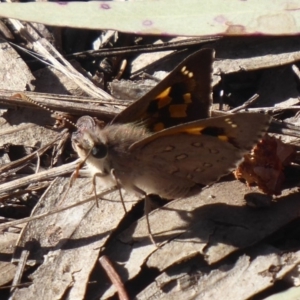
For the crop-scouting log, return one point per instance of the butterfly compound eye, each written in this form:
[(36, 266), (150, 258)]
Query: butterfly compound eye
[(99, 151)]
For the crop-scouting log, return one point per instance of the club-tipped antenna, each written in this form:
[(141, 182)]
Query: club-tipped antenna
[(27, 98)]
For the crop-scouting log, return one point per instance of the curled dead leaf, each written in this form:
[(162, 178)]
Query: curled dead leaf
[(264, 165)]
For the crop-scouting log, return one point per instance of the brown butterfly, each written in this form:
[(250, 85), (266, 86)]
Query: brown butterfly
[(176, 161)]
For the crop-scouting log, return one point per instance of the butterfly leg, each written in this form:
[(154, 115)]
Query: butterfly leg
[(71, 182), (99, 174), (94, 185), (119, 189), (147, 210)]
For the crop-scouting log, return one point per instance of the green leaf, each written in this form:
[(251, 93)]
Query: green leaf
[(177, 17)]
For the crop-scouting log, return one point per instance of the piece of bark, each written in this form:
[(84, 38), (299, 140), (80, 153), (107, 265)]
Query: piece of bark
[(245, 278), (124, 89), (7, 269), (67, 244), (50, 80), (253, 53), (212, 224), (15, 74)]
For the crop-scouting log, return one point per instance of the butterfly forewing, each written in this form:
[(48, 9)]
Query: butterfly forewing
[(183, 96)]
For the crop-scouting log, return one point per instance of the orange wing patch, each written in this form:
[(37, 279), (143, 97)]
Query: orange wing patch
[(163, 98), (178, 110)]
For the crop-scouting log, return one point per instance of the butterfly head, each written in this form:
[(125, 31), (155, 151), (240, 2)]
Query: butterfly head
[(90, 144)]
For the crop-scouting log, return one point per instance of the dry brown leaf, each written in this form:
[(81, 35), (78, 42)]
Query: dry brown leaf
[(265, 164)]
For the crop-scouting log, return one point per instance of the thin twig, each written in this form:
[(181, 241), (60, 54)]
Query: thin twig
[(114, 277), (137, 49), (245, 104), (51, 55), (45, 175), (296, 71), (20, 270), (54, 211), (104, 109)]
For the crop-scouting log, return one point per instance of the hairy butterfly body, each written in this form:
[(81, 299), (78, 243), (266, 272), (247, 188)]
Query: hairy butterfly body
[(171, 163)]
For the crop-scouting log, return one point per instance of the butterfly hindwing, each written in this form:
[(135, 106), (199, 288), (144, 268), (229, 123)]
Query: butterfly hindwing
[(183, 96), (207, 148)]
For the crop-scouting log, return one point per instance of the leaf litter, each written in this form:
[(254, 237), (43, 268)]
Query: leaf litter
[(211, 245)]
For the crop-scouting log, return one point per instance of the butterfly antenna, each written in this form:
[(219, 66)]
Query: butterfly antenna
[(28, 99)]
